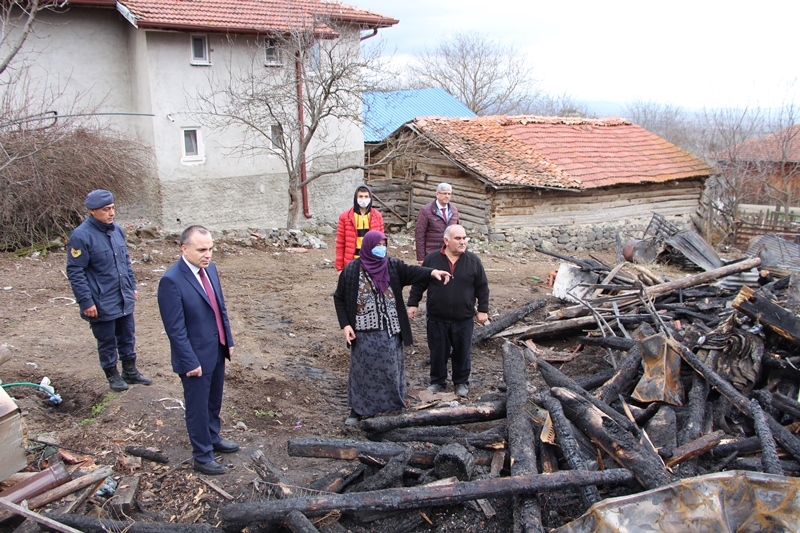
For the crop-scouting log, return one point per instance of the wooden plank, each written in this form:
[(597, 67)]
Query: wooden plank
[(595, 218), (123, 503), (768, 313), (592, 200), (695, 448), (18, 509), (584, 211)]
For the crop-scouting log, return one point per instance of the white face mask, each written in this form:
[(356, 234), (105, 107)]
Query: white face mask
[(364, 202)]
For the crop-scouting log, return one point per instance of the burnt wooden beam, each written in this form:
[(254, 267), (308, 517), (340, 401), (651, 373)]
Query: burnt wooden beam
[(783, 367), (338, 480), (521, 440), (238, 515), (646, 465), (493, 438), (595, 380), (678, 310), (746, 445), (390, 475), (615, 343), (787, 440), (546, 354), (626, 371), (569, 446), (695, 419), (442, 416), (787, 405), (147, 453), (555, 378), (789, 468), (506, 320), (695, 448), (773, 316), (642, 416), (297, 522), (548, 329), (770, 462), (454, 460), (349, 450)]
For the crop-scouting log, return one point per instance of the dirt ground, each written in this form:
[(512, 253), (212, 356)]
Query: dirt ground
[(287, 377)]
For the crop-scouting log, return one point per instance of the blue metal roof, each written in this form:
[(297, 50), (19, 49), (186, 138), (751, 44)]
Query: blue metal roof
[(384, 112)]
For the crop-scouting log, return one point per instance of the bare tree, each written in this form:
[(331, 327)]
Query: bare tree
[(725, 132), (16, 21), (778, 164), (309, 98), (561, 105), (668, 121), (488, 76), (49, 160)]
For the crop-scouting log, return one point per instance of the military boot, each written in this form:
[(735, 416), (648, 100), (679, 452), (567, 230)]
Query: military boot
[(115, 380), (131, 375)]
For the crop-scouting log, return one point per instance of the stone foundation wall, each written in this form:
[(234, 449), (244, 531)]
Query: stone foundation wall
[(579, 238)]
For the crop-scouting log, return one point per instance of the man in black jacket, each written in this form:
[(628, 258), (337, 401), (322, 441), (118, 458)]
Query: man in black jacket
[(451, 308)]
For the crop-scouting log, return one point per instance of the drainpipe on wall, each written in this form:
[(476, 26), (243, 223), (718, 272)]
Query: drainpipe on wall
[(301, 121), (371, 35)]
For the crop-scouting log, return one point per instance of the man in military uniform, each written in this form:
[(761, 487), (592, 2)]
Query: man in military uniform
[(99, 270)]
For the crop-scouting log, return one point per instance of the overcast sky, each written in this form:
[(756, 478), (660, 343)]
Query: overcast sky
[(692, 53)]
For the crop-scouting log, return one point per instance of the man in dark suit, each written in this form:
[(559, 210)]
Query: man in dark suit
[(196, 322)]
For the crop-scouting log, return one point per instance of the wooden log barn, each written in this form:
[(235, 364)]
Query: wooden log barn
[(566, 183)]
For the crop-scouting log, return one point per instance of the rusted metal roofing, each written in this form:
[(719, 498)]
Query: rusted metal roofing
[(559, 152), (243, 16), (782, 146)]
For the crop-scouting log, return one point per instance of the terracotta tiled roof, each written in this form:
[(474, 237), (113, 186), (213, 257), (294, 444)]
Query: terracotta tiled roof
[(573, 153), (251, 16), (783, 146)]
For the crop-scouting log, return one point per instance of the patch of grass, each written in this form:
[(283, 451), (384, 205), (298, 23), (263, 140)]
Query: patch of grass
[(99, 408), (261, 414)]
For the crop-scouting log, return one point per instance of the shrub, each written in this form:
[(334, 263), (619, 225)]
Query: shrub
[(46, 173)]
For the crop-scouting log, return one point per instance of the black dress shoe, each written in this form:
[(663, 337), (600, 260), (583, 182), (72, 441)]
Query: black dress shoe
[(212, 469), (226, 446)]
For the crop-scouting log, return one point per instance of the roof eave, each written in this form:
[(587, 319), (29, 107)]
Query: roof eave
[(202, 28), (93, 3)]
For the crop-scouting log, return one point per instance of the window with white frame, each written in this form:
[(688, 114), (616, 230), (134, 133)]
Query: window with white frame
[(314, 57), (276, 136), (200, 50), (192, 145), (272, 53)]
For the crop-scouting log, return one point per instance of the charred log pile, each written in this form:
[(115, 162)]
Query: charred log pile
[(704, 380)]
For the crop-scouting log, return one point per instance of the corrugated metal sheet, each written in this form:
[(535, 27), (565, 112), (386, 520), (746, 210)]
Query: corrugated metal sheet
[(384, 112), (775, 252)]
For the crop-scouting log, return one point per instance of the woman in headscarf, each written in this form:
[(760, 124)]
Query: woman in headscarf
[(372, 315)]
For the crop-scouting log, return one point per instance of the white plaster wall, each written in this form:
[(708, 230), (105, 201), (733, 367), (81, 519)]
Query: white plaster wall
[(119, 68), (226, 190), (81, 56), (78, 62)]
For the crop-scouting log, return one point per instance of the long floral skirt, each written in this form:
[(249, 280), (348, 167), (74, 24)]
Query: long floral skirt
[(377, 381)]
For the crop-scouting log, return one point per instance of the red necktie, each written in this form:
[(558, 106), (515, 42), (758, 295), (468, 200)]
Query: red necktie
[(213, 299)]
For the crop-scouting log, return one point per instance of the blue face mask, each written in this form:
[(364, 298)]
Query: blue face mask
[(379, 251)]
